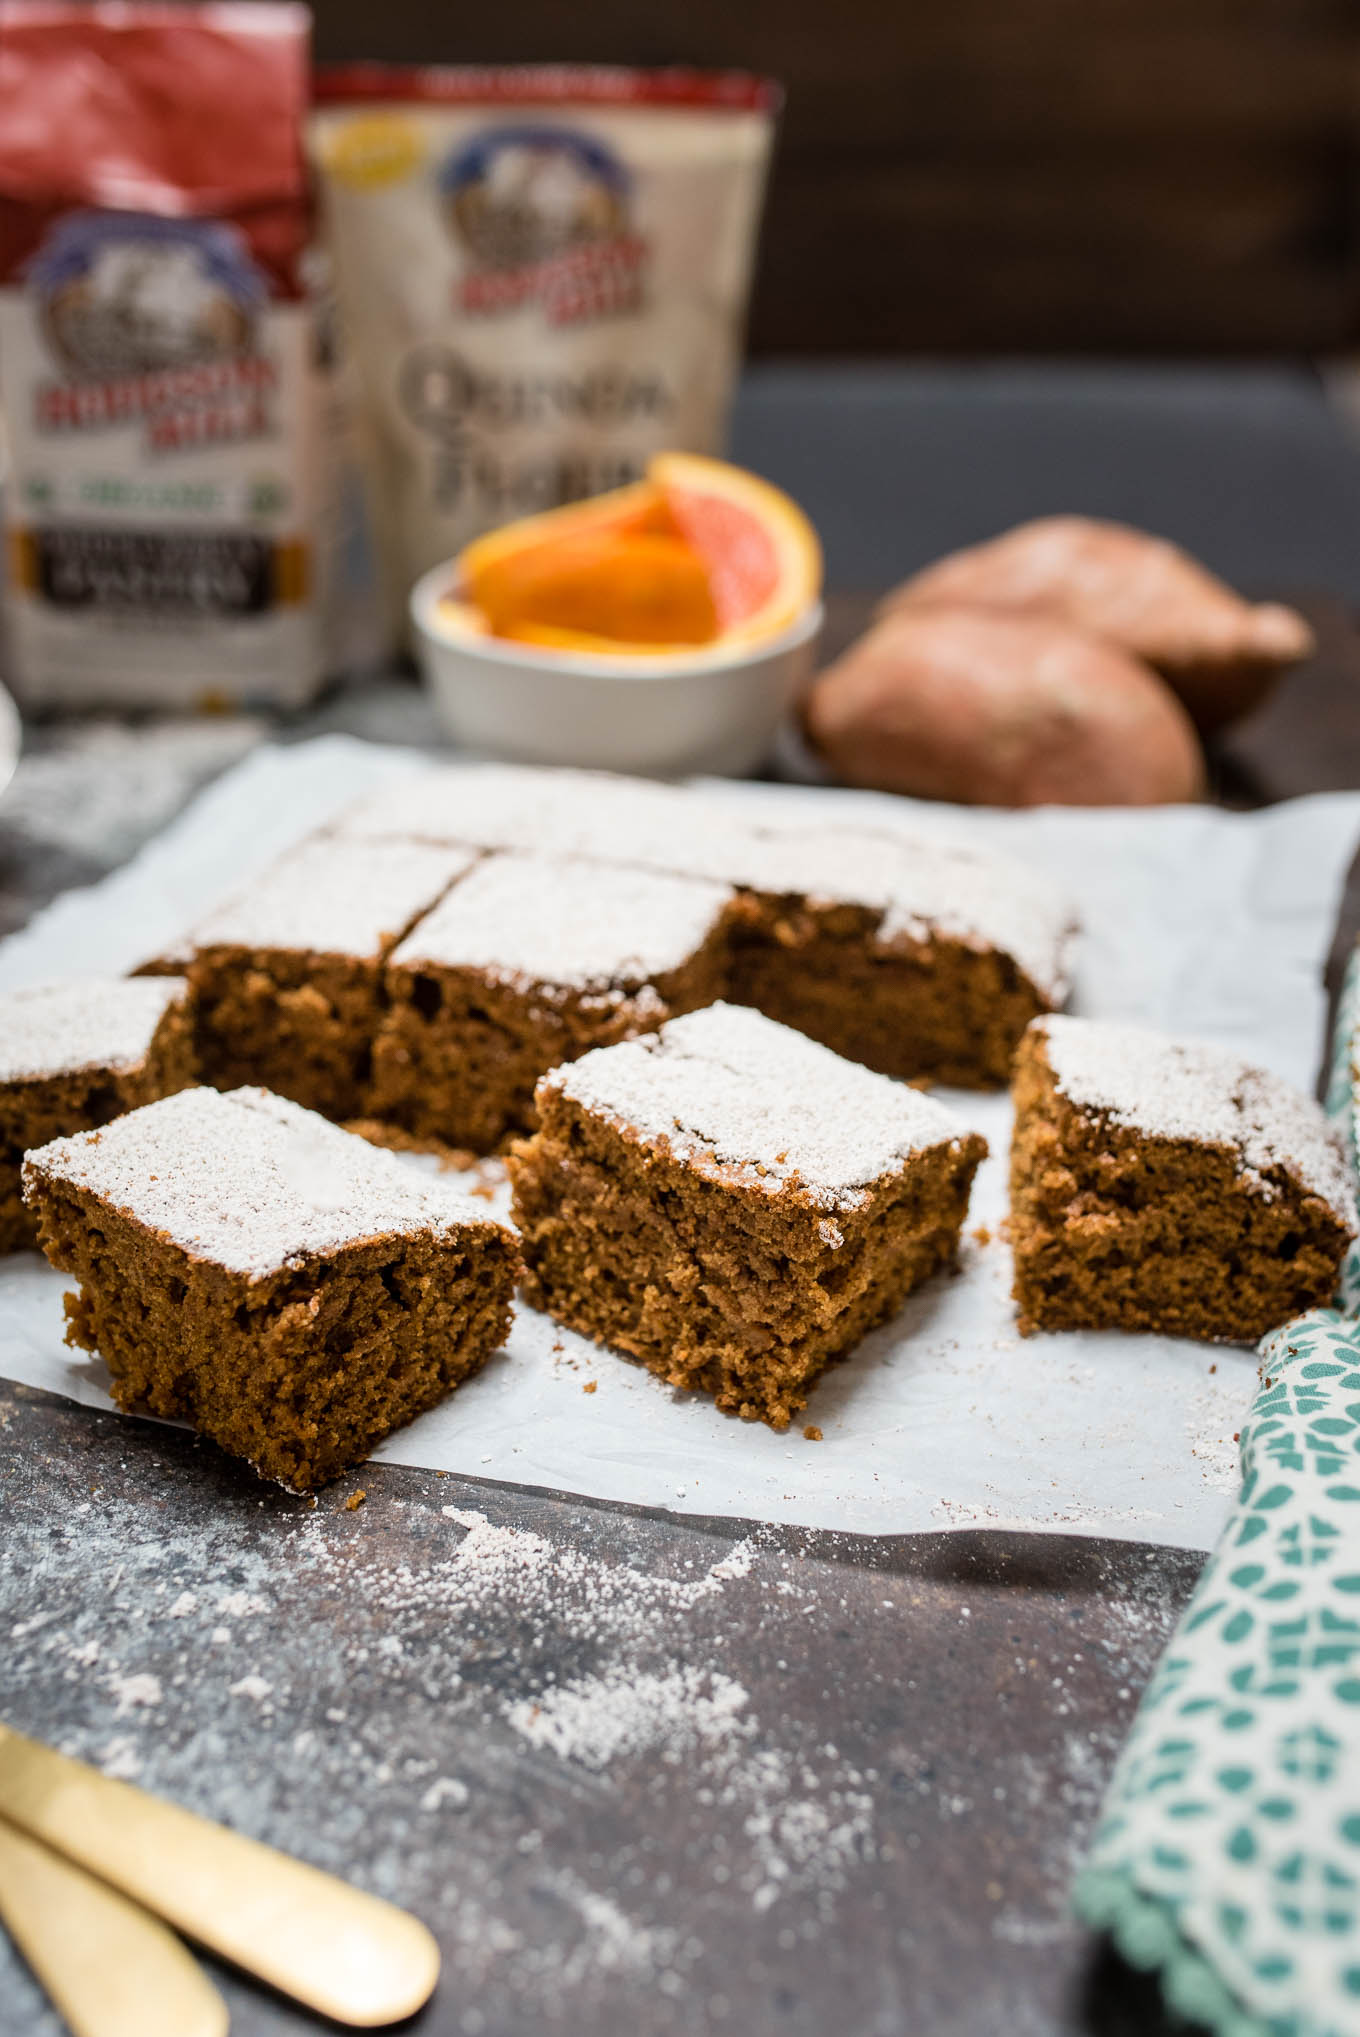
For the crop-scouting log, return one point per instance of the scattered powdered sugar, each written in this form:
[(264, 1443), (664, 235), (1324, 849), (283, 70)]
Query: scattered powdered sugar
[(332, 897), (678, 1712), (252, 1182), (64, 1028), (1172, 1088), (805, 1830), (239, 1605), (253, 1686), (578, 1742), (736, 1564), (539, 920), (491, 1561), (106, 787), (700, 1720), (922, 886), (135, 1693), (729, 1089), (615, 1943), (120, 1760), (445, 1789)]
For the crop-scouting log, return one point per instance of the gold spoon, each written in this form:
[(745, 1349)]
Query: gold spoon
[(345, 1954), (110, 1968)]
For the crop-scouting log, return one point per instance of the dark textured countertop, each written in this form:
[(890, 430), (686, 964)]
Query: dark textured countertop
[(799, 1782)]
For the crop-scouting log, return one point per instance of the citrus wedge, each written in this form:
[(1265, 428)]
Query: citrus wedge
[(764, 562), (699, 554)]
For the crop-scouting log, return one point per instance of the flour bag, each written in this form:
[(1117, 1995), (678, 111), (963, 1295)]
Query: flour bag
[(158, 358), (543, 276)]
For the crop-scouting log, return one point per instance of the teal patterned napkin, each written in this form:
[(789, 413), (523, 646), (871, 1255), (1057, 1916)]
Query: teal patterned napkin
[(1229, 1853)]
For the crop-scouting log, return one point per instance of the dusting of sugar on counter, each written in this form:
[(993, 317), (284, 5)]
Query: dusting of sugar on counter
[(135, 1693), (595, 1719), (252, 1686)]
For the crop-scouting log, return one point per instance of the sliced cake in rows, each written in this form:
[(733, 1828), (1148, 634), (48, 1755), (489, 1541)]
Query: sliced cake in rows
[(916, 954)]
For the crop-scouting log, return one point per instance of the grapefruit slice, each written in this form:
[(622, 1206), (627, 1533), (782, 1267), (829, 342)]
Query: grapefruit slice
[(699, 554), (764, 562)]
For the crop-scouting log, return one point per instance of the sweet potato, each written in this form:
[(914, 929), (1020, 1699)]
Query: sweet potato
[(1219, 653), (997, 710)]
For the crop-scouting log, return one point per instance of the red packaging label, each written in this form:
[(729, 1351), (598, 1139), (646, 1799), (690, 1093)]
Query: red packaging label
[(156, 357)]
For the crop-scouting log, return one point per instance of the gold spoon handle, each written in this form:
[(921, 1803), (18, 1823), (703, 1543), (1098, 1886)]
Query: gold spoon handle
[(345, 1954), (111, 1970)]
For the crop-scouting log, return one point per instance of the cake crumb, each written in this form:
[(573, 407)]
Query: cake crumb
[(812, 1433), (355, 1501), (981, 1235), (590, 1386)]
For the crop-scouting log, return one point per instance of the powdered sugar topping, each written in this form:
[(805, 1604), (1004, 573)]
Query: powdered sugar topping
[(539, 920), (333, 897), (924, 887), (594, 814), (920, 884), (66, 1028), (252, 1182), (731, 1091), (1172, 1088)]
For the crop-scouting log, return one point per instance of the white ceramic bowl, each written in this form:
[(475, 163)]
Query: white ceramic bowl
[(10, 738), (678, 711)]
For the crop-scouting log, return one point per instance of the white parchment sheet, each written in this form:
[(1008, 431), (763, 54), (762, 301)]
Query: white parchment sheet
[(1201, 921)]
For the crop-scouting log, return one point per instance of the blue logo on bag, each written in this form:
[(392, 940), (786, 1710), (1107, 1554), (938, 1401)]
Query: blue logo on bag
[(543, 216), (132, 294)]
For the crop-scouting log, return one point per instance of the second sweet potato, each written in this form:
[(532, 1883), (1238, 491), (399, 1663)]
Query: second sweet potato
[(992, 710)]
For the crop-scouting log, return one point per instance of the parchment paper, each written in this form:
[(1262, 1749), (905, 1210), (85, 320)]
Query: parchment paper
[(1197, 920)]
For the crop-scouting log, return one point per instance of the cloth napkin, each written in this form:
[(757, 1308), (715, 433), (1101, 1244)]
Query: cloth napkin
[(1228, 1855)]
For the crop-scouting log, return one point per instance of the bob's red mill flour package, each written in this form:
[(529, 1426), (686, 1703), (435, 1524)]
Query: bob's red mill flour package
[(157, 354), (543, 276)]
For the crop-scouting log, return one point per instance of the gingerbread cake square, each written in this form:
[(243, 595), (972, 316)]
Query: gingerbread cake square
[(531, 961), (1166, 1184), (288, 976), (243, 1265), (917, 957), (74, 1055), (735, 1205)]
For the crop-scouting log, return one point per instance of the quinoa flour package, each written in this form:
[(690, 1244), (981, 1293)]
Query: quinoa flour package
[(543, 275), (158, 362)]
